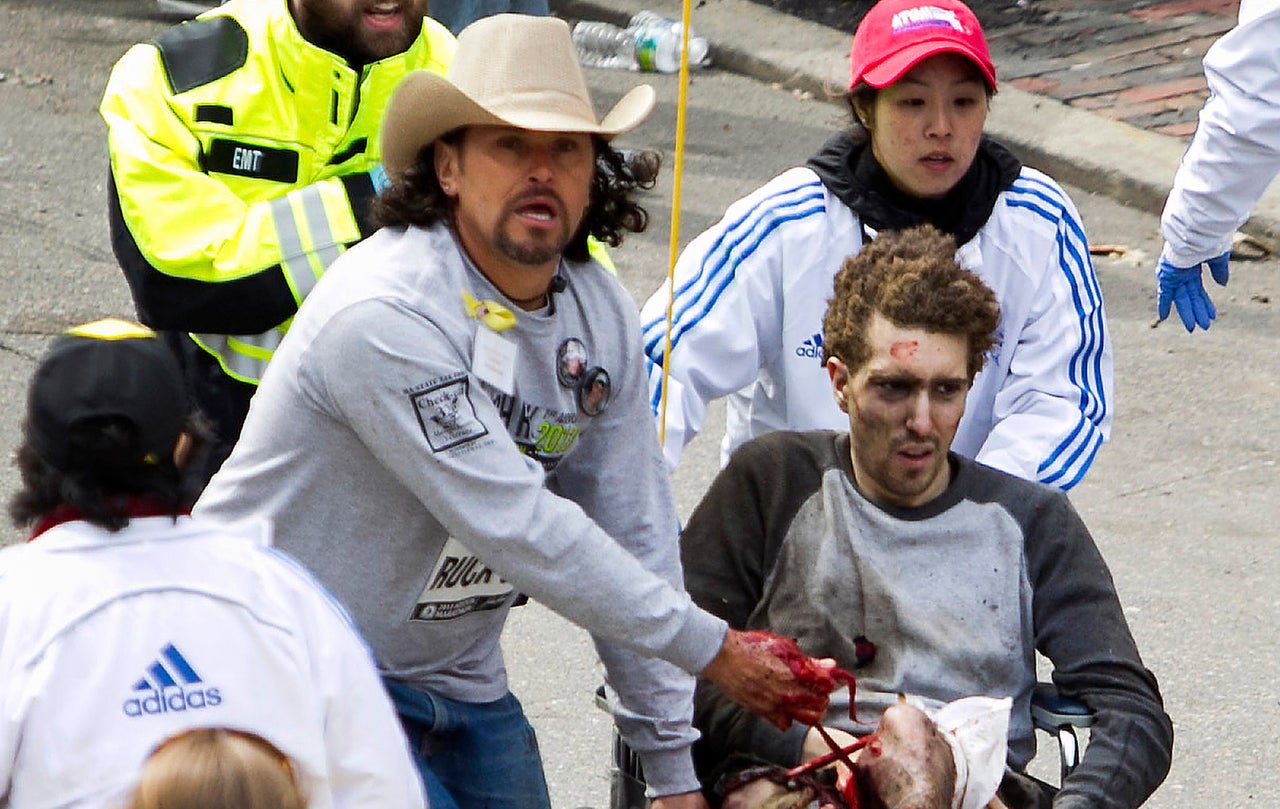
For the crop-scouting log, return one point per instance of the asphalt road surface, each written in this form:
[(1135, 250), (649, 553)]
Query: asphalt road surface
[(1181, 501)]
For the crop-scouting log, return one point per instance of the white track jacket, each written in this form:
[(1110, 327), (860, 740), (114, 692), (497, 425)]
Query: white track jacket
[(111, 642), (1235, 153), (752, 290)]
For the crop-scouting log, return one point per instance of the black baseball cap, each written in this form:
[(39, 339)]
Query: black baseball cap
[(109, 367)]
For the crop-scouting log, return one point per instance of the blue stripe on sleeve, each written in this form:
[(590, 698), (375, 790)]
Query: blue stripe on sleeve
[(738, 241), (1082, 459), (1085, 369)]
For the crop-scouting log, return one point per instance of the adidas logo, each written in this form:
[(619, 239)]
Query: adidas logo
[(170, 684), (811, 347)]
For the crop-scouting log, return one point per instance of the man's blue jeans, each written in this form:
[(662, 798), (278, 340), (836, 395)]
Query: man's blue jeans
[(472, 755)]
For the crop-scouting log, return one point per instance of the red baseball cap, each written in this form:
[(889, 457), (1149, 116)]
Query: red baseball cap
[(896, 35)]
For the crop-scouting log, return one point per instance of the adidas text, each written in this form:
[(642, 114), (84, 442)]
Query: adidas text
[(172, 700), (811, 348)]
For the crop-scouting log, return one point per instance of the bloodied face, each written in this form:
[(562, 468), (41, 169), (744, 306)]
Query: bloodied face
[(904, 405), (906, 764)]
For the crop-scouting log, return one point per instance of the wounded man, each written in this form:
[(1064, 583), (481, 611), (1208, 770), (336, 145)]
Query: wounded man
[(950, 759)]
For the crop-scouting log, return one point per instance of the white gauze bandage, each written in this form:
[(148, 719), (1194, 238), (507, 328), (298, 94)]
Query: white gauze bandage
[(977, 729)]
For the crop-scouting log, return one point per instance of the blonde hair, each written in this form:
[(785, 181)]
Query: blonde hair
[(217, 768)]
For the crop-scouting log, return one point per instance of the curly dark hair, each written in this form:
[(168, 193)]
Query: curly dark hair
[(417, 199), (105, 465), (911, 278)]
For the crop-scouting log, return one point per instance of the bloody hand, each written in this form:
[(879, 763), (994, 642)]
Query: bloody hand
[(823, 676), (770, 676)]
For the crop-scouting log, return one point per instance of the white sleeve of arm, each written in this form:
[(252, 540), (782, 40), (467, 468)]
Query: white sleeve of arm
[(1054, 410), (1235, 153), (10, 714), (726, 316), (370, 765)]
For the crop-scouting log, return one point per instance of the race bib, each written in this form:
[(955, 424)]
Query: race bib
[(459, 584)]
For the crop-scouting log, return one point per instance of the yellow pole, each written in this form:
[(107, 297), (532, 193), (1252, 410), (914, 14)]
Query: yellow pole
[(677, 174)]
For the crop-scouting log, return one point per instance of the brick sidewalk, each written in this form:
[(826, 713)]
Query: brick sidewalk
[(1137, 62)]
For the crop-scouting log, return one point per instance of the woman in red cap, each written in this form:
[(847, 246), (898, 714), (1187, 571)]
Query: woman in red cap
[(750, 292)]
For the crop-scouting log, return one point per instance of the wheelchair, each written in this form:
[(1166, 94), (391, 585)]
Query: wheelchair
[(1051, 712)]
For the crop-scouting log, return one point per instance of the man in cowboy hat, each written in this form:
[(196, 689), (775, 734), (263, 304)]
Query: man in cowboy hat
[(458, 416)]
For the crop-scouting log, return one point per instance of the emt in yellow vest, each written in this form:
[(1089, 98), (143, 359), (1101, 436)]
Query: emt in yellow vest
[(244, 158)]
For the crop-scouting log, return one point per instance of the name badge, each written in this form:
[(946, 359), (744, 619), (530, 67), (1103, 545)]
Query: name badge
[(493, 359), (250, 160)]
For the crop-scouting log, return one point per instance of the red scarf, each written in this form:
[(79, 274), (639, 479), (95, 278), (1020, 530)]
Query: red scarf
[(129, 506)]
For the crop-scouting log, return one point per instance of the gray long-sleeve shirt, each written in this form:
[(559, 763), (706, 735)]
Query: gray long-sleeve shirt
[(956, 596), (426, 497)]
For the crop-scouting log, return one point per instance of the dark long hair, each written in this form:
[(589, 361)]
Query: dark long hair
[(417, 199), (105, 465)]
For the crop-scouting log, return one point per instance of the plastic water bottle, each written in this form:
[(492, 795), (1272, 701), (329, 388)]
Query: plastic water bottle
[(602, 44), (650, 42), (659, 40)]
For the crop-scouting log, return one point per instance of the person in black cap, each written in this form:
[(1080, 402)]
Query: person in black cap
[(124, 621), (106, 431)]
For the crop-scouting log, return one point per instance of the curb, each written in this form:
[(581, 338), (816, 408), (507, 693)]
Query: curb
[(1097, 154)]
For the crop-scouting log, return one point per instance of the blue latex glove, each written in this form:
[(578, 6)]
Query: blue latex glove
[(378, 176), (1183, 287)]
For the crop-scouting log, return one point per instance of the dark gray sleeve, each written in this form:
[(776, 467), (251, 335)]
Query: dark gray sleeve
[(1081, 628), (727, 549)]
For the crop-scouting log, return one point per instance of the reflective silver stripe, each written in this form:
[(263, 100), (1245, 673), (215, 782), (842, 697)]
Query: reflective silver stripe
[(292, 257), (292, 254), (321, 233), (243, 356)]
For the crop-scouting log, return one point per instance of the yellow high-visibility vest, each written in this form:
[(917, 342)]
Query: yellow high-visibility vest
[(240, 155)]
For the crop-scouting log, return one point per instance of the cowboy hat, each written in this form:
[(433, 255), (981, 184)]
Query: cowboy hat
[(508, 70)]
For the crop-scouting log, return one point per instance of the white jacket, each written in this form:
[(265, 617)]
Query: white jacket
[(1235, 153), (109, 643), (752, 290)]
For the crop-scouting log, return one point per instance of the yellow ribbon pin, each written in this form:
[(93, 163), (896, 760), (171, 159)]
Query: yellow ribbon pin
[(490, 313)]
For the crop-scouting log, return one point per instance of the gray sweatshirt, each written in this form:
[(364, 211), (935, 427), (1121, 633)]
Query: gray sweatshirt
[(427, 499), (956, 595)]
